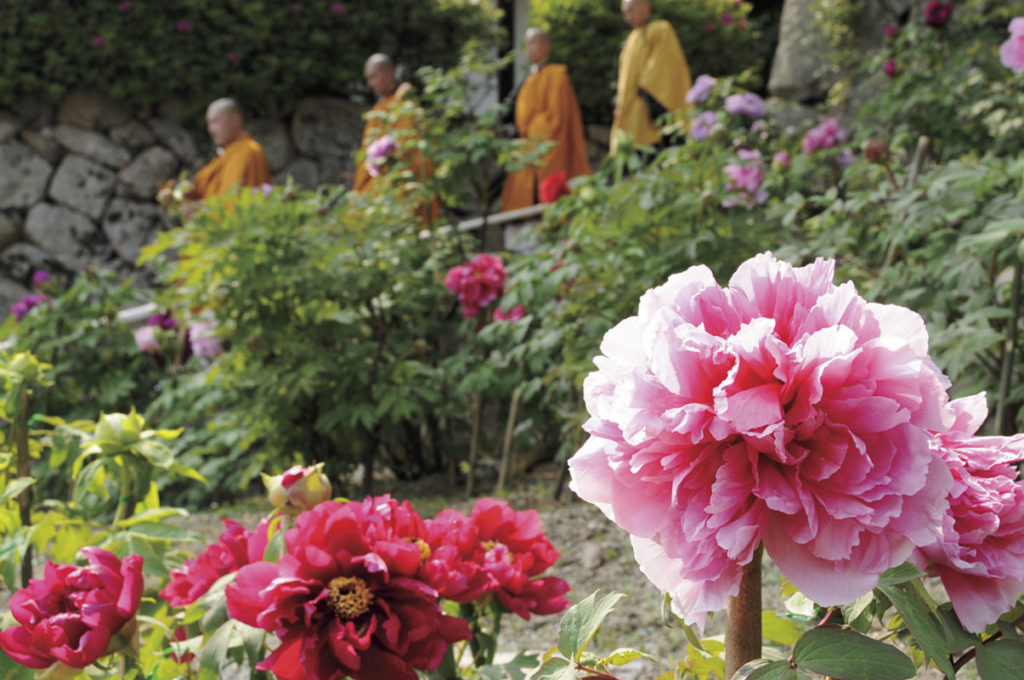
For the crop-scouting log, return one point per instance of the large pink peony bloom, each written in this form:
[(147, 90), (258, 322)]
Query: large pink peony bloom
[(980, 557), (345, 600), (236, 547), (72, 613), (1011, 52), (782, 409)]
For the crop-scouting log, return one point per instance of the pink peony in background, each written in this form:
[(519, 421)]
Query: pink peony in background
[(476, 283), (825, 135), (781, 409), (1011, 52), (701, 89), (378, 153)]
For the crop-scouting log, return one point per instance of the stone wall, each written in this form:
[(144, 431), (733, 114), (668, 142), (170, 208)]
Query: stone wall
[(78, 179)]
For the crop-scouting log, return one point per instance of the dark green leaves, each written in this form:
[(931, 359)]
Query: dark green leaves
[(846, 654)]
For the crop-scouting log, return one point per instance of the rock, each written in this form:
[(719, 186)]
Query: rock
[(62, 232), (22, 259), (333, 169), (273, 137), (10, 230), (23, 176), (327, 126), (591, 556), (787, 114), (129, 225), (83, 185), (43, 143), (10, 292), (177, 139), (92, 145), (149, 170), (33, 112), (302, 170), (799, 71), (9, 125), (132, 135), (90, 109)]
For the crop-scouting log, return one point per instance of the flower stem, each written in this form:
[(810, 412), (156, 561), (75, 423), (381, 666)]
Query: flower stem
[(743, 623)]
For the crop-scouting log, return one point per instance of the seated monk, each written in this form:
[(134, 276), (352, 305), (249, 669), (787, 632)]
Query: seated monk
[(545, 109), (240, 159), (380, 76)]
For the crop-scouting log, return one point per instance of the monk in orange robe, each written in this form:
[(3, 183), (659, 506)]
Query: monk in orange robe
[(653, 77), (380, 76), (546, 109), (240, 160)]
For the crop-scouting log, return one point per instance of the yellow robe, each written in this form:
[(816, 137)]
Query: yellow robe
[(546, 109), (242, 163), (652, 59), (374, 129)]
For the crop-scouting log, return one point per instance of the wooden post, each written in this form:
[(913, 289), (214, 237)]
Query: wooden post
[(24, 470), (743, 623)]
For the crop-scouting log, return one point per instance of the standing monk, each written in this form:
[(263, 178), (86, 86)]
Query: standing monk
[(240, 159), (653, 76), (546, 110), (379, 71)]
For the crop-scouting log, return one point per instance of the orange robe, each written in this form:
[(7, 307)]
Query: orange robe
[(241, 163), (376, 128), (546, 109), (652, 59)]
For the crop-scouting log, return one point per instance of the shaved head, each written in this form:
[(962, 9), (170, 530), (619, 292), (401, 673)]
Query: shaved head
[(379, 60), (380, 74), (636, 12), (538, 45), (224, 121)]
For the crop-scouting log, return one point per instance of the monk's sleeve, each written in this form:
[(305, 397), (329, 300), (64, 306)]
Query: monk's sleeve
[(236, 169), (666, 75), (551, 112)]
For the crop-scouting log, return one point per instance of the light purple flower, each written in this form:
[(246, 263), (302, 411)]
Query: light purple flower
[(700, 128), (378, 152), (746, 104), (263, 189), (40, 277), (203, 341), (23, 306), (846, 158), (749, 154), (1011, 52), (701, 88)]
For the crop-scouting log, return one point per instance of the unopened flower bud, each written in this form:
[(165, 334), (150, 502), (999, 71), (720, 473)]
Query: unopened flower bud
[(876, 151), (298, 488)]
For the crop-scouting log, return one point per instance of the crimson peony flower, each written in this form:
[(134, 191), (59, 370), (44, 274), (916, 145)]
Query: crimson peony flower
[(980, 555), (477, 283), (892, 31), (1011, 52), (345, 600), (236, 547), (553, 187), (782, 410), (825, 135), (72, 614), (937, 13), (890, 68)]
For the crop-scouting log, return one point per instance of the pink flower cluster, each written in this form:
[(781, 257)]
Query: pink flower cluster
[(236, 547), (745, 181), (357, 593), (787, 411), (40, 280), (476, 283), (825, 135), (1011, 52), (73, 614), (378, 153)]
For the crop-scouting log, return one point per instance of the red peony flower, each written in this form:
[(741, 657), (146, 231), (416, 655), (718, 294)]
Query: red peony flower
[(345, 600), (937, 13), (236, 547), (477, 283), (72, 613), (553, 187)]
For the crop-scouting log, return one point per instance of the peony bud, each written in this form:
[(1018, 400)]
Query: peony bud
[(298, 488), (876, 151)]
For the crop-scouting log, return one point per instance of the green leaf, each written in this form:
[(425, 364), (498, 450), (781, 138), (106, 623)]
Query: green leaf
[(15, 487), (921, 623), (215, 648), (763, 669), (846, 654), (1000, 660), (555, 669), (623, 655), (901, 574), (581, 623), (779, 629)]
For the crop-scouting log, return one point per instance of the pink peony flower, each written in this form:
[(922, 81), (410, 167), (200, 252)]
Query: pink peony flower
[(184, 26), (553, 187), (378, 153), (236, 547), (937, 13), (1011, 52), (203, 340), (337, 8), (782, 410), (700, 128), (73, 614), (516, 313), (891, 31), (746, 181), (99, 41), (825, 135), (41, 277), (147, 341), (477, 283), (746, 104), (890, 68), (27, 303), (345, 600), (701, 88), (980, 555), (780, 160), (726, 18)]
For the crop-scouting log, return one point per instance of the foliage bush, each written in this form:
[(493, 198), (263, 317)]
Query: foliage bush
[(265, 54), (716, 36)]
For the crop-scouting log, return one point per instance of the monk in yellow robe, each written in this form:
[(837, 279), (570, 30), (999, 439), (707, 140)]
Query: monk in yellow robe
[(546, 109), (653, 77), (380, 76), (240, 160)]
